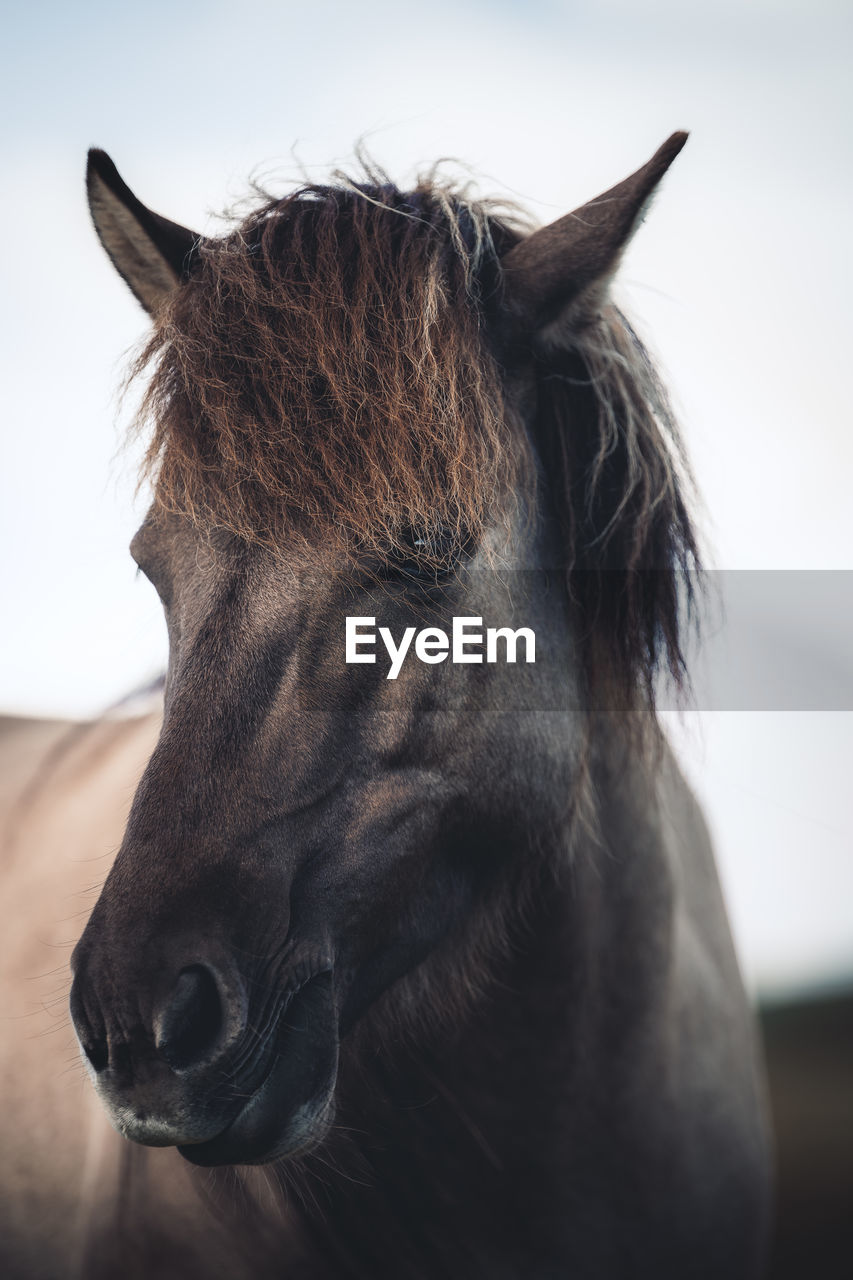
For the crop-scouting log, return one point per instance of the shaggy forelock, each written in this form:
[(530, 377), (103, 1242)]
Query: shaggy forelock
[(324, 373), (325, 376)]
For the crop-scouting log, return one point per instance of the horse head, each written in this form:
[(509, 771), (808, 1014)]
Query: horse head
[(394, 407)]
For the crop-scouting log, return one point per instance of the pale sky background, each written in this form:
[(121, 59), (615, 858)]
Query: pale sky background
[(740, 278)]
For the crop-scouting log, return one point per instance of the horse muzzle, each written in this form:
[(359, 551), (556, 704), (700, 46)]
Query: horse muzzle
[(203, 1071)]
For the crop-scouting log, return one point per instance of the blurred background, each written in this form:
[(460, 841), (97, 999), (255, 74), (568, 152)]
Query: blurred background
[(740, 279)]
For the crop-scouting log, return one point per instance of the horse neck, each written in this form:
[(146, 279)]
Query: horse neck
[(477, 1113)]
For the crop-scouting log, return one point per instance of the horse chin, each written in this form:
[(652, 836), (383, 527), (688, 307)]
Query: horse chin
[(292, 1109), (262, 1132)]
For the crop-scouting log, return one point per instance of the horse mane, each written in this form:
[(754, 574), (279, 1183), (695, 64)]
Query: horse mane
[(323, 372), (326, 373), (611, 447)]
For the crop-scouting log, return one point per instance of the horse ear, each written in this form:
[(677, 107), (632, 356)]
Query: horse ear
[(152, 254), (561, 272)]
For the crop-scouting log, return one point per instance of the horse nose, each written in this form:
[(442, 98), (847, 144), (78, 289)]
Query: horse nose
[(196, 1018), (162, 1027)]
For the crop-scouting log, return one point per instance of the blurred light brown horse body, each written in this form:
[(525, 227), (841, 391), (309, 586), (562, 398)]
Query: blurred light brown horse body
[(78, 1200)]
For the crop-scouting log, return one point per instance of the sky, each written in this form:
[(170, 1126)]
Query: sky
[(740, 278)]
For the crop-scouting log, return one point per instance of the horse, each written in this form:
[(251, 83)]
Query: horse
[(421, 972)]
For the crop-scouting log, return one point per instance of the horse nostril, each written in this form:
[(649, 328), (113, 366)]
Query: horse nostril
[(98, 1054), (94, 1046), (191, 1019)]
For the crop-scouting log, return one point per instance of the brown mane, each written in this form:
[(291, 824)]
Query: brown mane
[(608, 437), (325, 373)]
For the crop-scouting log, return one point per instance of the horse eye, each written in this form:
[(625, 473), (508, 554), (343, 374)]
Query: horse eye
[(148, 568), (426, 554)]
